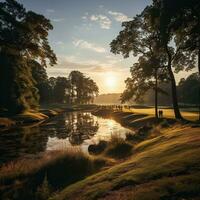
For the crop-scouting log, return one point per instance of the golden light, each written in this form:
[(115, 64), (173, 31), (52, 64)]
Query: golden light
[(110, 123), (111, 81)]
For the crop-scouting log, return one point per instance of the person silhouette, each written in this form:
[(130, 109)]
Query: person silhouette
[(160, 113)]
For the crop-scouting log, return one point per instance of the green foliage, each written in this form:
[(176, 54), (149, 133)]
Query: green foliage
[(23, 38), (138, 38), (189, 89), (83, 89)]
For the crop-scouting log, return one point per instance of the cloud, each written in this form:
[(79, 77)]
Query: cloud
[(104, 21), (58, 19), (50, 10), (119, 17), (87, 45), (59, 43), (84, 17), (73, 62)]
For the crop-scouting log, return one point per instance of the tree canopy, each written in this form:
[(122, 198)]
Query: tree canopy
[(23, 38)]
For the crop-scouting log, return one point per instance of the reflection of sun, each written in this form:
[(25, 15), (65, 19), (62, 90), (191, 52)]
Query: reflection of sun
[(110, 123), (111, 81)]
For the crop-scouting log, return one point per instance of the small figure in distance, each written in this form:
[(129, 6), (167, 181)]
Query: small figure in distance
[(160, 114)]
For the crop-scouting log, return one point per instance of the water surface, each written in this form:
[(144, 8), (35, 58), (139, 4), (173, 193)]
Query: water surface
[(63, 131)]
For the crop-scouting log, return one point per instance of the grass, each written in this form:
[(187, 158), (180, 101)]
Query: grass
[(60, 167), (6, 122), (167, 112), (164, 167), (118, 148)]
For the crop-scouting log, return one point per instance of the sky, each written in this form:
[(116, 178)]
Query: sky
[(83, 30)]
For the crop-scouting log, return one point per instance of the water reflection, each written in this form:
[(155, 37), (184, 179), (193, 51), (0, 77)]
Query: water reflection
[(70, 129)]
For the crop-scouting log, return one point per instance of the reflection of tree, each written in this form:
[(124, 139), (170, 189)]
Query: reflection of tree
[(76, 126), (22, 141), (83, 127), (31, 140)]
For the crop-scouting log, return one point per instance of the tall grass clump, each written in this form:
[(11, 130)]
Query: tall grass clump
[(118, 148), (60, 168)]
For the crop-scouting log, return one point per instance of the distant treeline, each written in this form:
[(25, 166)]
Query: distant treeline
[(187, 90), (74, 89), (112, 98)]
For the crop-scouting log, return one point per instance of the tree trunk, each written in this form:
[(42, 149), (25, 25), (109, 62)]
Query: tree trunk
[(199, 76), (174, 93), (156, 93), (173, 86)]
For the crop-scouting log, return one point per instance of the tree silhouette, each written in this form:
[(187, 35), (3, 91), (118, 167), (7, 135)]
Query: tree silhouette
[(83, 89), (62, 85), (23, 37), (188, 89), (158, 18), (137, 37), (41, 81)]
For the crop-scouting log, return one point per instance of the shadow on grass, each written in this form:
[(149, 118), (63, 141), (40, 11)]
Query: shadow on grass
[(23, 179)]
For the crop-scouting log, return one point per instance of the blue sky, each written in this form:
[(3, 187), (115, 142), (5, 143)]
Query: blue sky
[(83, 30)]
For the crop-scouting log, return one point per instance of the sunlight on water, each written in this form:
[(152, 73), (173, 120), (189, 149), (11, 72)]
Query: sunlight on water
[(68, 130), (79, 137)]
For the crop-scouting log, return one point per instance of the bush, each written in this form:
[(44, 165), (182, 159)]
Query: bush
[(43, 191), (97, 148), (141, 134), (118, 148)]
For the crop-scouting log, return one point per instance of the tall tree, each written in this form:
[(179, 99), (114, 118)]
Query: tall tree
[(183, 20), (41, 81), (23, 37), (177, 59), (83, 89), (61, 89), (137, 37)]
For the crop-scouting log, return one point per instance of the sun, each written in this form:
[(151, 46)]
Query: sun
[(111, 81)]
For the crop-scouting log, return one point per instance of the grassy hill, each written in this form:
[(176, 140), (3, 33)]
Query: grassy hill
[(165, 166)]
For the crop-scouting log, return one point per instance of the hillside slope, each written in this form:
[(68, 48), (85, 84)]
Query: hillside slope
[(165, 167)]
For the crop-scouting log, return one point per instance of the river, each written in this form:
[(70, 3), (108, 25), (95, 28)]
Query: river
[(69, 129)]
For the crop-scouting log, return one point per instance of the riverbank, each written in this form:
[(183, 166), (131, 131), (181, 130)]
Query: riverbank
[(165, 164), (8, 121), (158, 160), (134, 120)]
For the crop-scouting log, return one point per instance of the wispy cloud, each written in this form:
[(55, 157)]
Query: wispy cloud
[(103, 20), (73, 62), (59, 43), (50, 10), (118, 16), (58, 19), (87, 45)]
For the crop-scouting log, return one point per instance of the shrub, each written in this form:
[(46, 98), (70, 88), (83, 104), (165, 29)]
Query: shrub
[(97, 148), (43, 191), (118, 148)]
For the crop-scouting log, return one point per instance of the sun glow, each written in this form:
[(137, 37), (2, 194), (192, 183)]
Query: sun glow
[(111, 81)]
